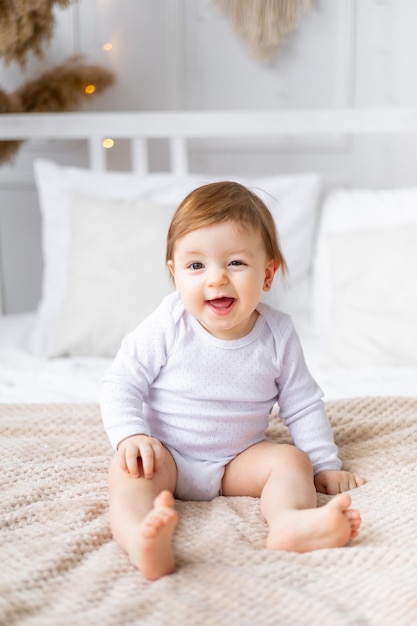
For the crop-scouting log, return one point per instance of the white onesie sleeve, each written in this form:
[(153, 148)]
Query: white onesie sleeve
[(301, 406), (127, 380)]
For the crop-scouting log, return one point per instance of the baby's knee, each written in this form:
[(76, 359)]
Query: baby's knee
[(296, 458)]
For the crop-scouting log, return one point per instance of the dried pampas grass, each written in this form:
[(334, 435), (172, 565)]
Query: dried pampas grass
[(9, 103), (24, 26), (264, 23), (60, 89)]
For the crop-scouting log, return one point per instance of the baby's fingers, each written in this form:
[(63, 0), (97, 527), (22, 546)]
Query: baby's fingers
[(159, 452), (130, 458), (152, 457), (359, 481), (141, 456), (148, 460), (350, 481)]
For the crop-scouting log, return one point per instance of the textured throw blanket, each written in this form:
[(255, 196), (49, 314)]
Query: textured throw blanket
[(59, 565)]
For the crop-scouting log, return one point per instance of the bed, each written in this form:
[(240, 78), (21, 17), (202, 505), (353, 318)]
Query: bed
[(353, 304)]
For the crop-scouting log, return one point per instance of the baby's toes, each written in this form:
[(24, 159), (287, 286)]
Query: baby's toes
[(354, 519)]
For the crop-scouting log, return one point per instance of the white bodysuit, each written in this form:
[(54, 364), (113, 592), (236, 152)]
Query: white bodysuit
[(207, 399)]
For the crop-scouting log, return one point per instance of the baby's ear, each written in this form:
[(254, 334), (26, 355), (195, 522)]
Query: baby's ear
[(270, 270), (171, 268)]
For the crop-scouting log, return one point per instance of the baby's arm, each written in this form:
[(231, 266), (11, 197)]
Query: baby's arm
[(336, 481), (303, 411), (140, 455)]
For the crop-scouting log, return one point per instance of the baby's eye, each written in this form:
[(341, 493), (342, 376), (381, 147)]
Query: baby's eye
[(196, 266), (236, 263)]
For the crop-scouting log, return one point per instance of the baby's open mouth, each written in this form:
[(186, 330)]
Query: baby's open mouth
[(221, 304)]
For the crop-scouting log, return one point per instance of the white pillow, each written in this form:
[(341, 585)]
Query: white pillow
[(365, 291), (70, 200), (117, 272)]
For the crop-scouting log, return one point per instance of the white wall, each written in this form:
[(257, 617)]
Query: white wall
[(184, 54)]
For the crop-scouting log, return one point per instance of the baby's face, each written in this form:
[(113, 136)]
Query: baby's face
[(220, 273)]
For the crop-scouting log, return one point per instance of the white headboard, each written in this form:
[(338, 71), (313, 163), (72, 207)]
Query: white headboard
[(179, 126)]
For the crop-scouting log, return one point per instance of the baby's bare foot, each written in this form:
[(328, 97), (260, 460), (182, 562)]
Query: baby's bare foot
[(355, 521), (329, 526), (153, 553)]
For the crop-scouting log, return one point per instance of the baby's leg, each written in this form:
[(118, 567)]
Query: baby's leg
[(329, 526), (143, 518), (282, 477)]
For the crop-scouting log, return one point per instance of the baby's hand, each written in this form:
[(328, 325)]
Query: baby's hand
[(140, 455), (336, 481)]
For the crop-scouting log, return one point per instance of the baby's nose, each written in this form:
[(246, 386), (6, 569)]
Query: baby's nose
[(217, 276)]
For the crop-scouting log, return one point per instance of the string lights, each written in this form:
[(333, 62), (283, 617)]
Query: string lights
[(107, 46), (89, 89), (108, 143)]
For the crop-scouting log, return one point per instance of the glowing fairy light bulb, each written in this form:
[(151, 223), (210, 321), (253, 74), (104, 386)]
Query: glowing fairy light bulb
[(89, 89), (108, 46), (108, 143)]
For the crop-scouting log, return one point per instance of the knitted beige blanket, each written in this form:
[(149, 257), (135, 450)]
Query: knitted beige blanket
[(59, 565)]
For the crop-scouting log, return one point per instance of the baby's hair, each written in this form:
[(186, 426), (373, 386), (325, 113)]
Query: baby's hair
[(225, 202)]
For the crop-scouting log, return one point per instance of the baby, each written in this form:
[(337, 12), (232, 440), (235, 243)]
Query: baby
[(187, 399)]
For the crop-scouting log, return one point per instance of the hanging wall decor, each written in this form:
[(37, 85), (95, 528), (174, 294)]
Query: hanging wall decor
[(26, 26), (264, 24), (61, 88)]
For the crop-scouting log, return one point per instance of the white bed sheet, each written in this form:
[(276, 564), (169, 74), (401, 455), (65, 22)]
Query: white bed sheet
[(354, 382), (26, 378)]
